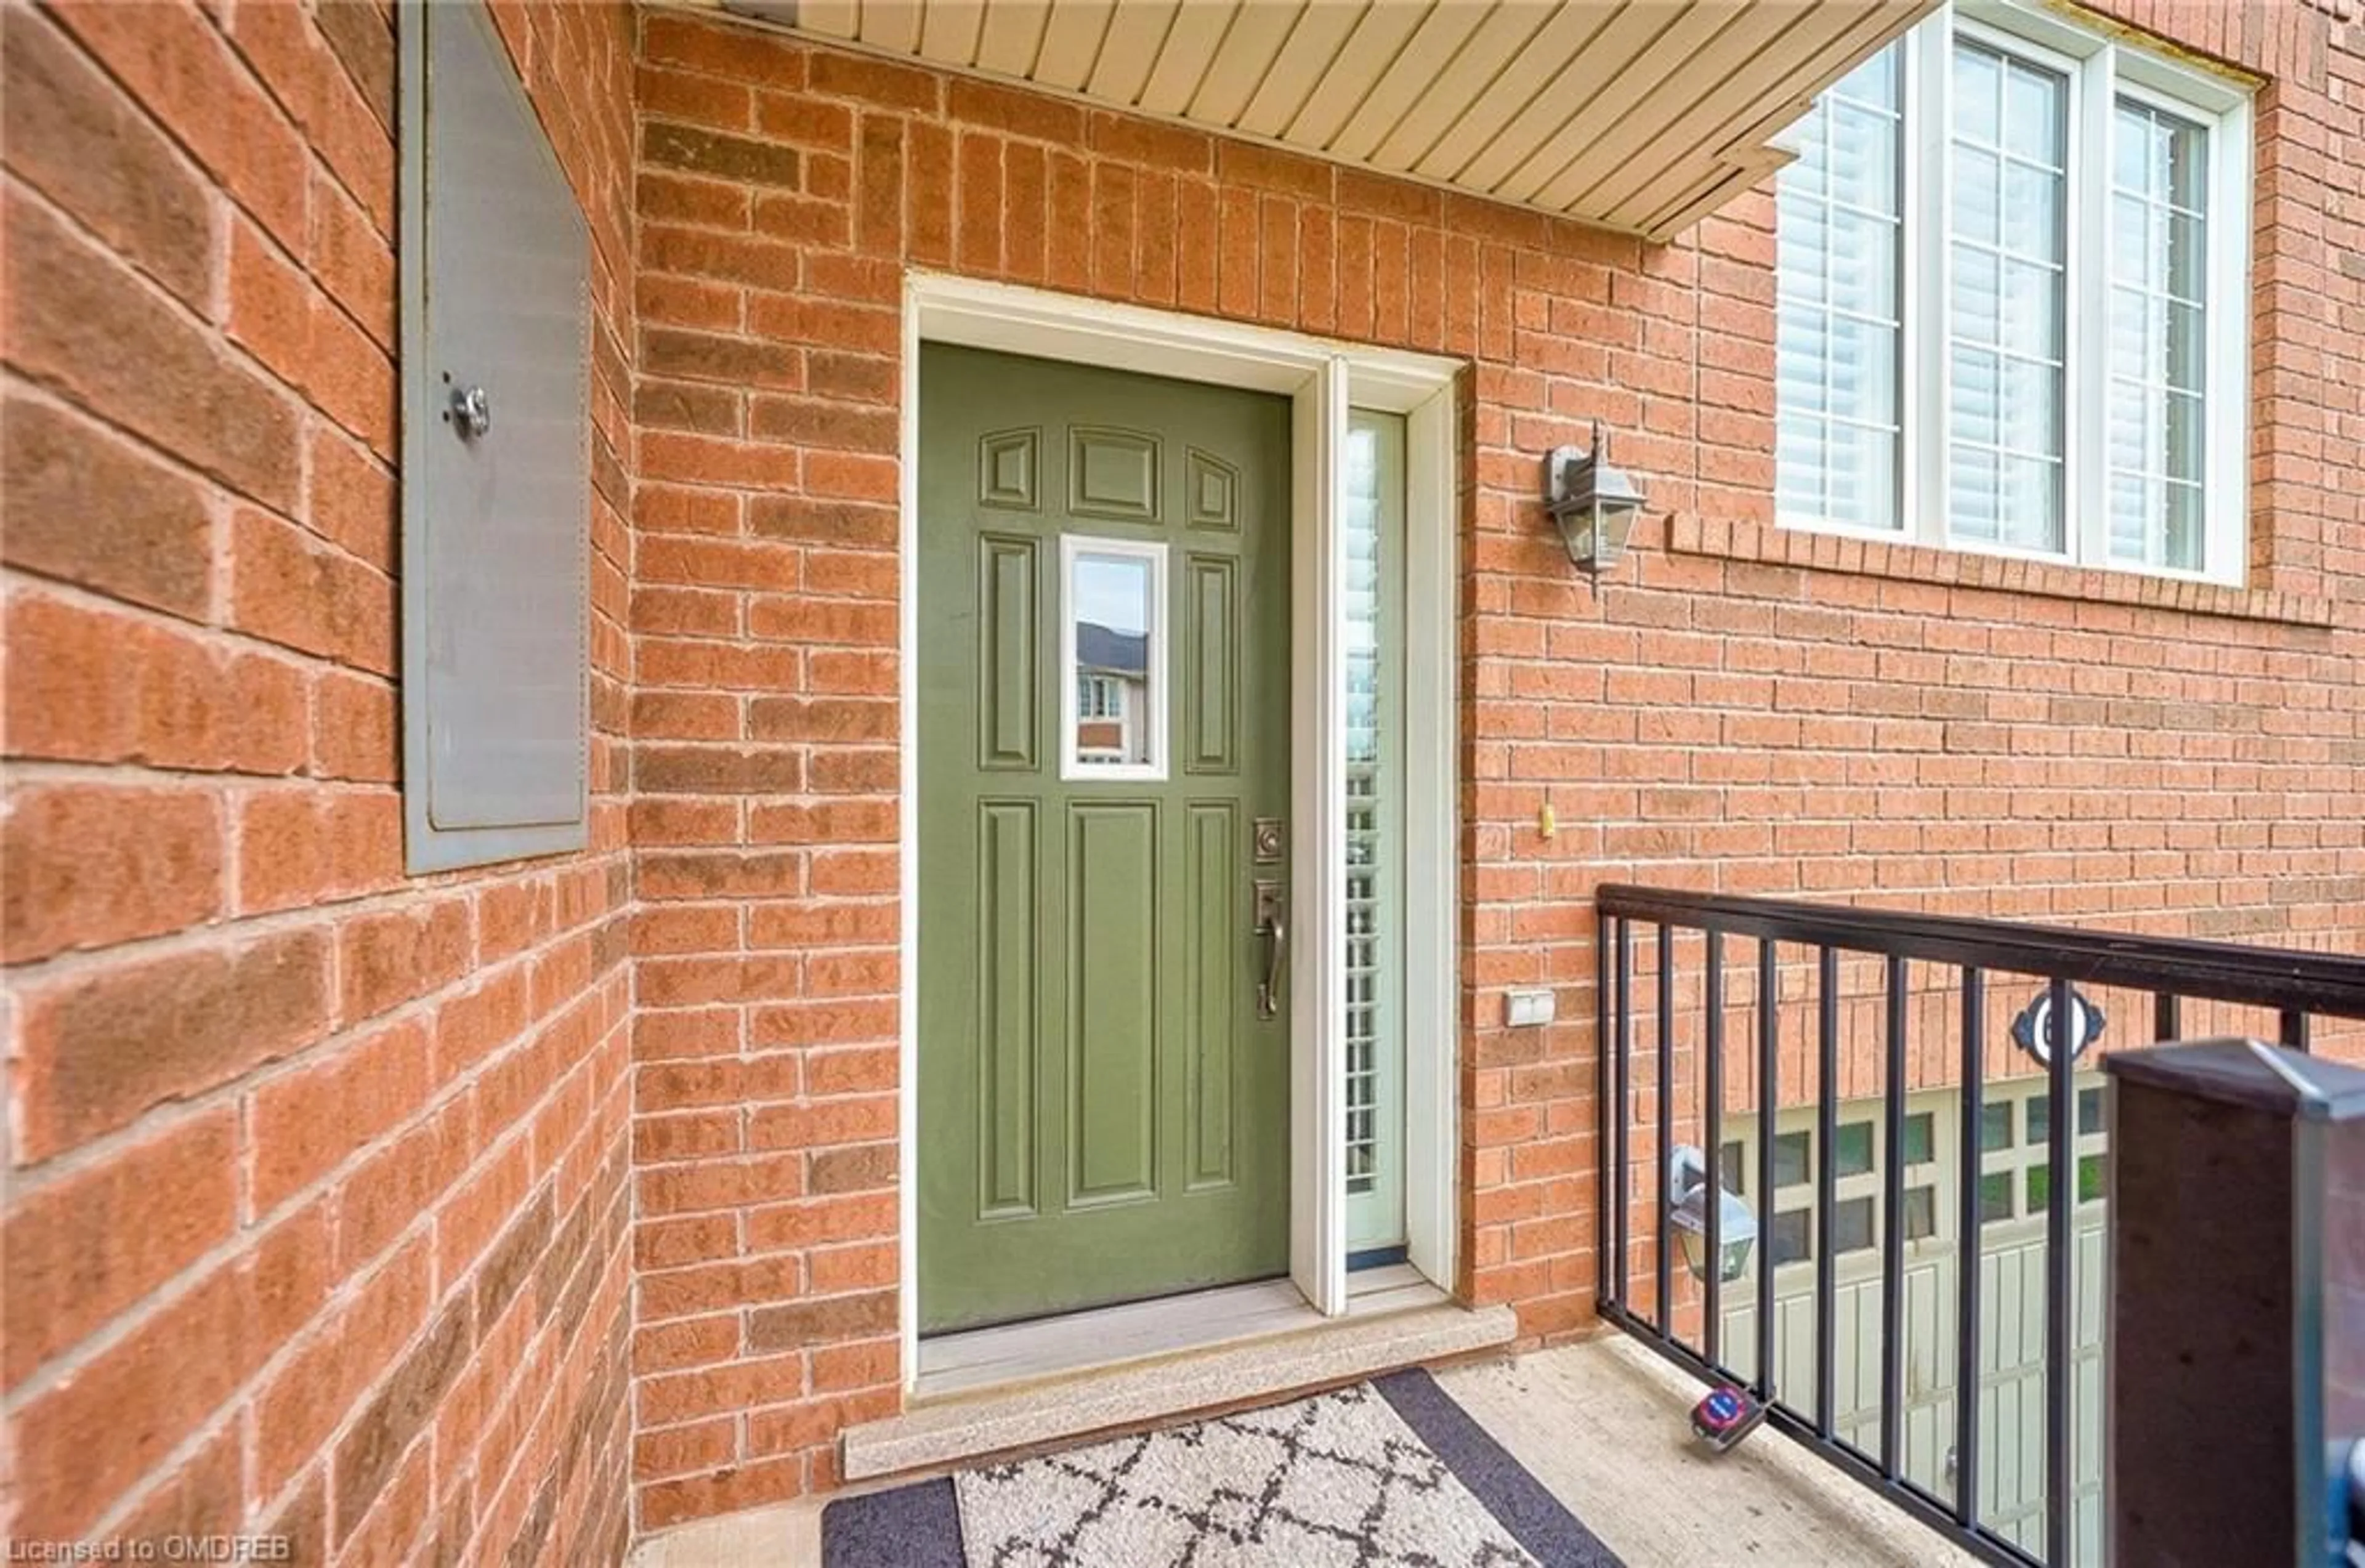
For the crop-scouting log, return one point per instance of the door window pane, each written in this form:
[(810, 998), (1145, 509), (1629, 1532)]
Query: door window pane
[(2009, 250), (1790, 1159), (1791, 1240), (1839, 232), (1117, 652), (2159, 267), (1732, 1170), (1919, 1131)]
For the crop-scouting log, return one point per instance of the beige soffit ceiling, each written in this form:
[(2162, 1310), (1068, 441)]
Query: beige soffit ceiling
[(1640, 116)]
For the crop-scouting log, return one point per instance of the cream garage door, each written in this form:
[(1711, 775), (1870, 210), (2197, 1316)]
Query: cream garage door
[(2014, 1185)]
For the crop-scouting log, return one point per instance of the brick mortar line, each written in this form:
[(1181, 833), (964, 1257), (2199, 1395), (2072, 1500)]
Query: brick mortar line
[(245, 1399), (158, 1301), (242, 930), (168, 1115)]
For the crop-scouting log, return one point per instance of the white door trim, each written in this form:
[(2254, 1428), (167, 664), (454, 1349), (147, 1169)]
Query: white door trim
[(1323, 379)]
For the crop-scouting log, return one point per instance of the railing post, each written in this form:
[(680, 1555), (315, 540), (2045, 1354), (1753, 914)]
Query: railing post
[(1970, 1223), (2061, 1142), (1892, 1228), (1665, 1306), (1827, 1116), (1712, 1037), (1603, 1096), (2236, 1326), (1769, 1041), (1624, 1049)]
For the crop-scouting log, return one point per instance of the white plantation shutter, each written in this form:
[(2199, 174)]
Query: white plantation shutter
[(2044, 261), (1839, 227), (2009, 243), (2159, 254)]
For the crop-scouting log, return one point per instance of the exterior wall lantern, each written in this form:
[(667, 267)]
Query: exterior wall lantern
[(1736, 1223), (1593, 501)]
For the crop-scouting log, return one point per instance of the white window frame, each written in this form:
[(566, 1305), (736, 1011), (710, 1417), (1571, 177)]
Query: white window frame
[(2101, 69), (1073, 768)]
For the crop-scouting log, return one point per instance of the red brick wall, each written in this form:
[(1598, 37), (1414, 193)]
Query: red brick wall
[(317, 1173), (1734, 707)]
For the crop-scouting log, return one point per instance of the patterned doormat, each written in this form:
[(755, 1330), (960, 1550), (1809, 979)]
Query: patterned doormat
[(1390, 1473)]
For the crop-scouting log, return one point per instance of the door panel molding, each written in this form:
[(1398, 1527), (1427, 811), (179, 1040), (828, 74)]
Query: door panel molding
[(1323, 379)]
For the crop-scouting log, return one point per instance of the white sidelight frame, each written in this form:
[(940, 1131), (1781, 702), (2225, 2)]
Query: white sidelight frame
[(1323, 379)]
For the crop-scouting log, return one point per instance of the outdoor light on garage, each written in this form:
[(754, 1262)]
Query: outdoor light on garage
[(1593, 502), (1736, 1223)]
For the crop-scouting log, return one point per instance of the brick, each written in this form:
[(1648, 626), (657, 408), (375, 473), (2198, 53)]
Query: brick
[(821, 1322), (360, 35), (308, 846), (88, 865), (90, 508), (80, 139), (181, 70), (366, 1456), (82, 1249), (735, 158), (873, 81), (82, 324), (354, 735), (854, 1170), (85, 1439), (100, 1048), (305, 1123), (303, 1404)]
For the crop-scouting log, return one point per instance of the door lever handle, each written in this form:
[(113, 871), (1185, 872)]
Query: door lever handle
[(1276, 931)]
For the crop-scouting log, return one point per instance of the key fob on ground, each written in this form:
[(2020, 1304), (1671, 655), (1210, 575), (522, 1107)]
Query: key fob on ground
[(1725, 1417)]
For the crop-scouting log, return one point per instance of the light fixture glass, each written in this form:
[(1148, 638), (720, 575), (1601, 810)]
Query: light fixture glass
[(1592, 502), (1736, 1224)]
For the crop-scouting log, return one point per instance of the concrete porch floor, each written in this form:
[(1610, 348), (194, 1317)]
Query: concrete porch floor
[(1603, 1424)]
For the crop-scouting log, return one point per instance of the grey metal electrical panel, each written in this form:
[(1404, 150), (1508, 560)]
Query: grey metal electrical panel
[(495, 263)]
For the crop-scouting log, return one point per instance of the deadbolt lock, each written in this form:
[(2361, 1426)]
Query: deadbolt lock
[(1269, 844)]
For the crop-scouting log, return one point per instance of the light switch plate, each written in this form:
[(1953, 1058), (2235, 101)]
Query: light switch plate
[(1527, 1008)]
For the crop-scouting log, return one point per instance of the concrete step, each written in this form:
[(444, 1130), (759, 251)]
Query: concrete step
[(1137, 1393)]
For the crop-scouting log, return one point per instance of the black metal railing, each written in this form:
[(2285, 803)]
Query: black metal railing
[(2221, 986)]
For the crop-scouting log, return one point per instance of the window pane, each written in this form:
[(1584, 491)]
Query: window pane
[(1995, 1125), (1995, 1196), (2040, 1120), (1921, 1213), (2090, 1110), (1838, 228), (1732, 1170), (1371, 527), (2158, 274), (1852, 1225), (1851, 1149), (1113, 603), (2008, 257), (2090, 1179), (1919, 1128), (1792, 1237), (2039, 1179), (1790, 1150)]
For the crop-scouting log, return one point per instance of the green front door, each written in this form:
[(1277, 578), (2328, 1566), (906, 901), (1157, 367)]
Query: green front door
[(1104, 733)]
